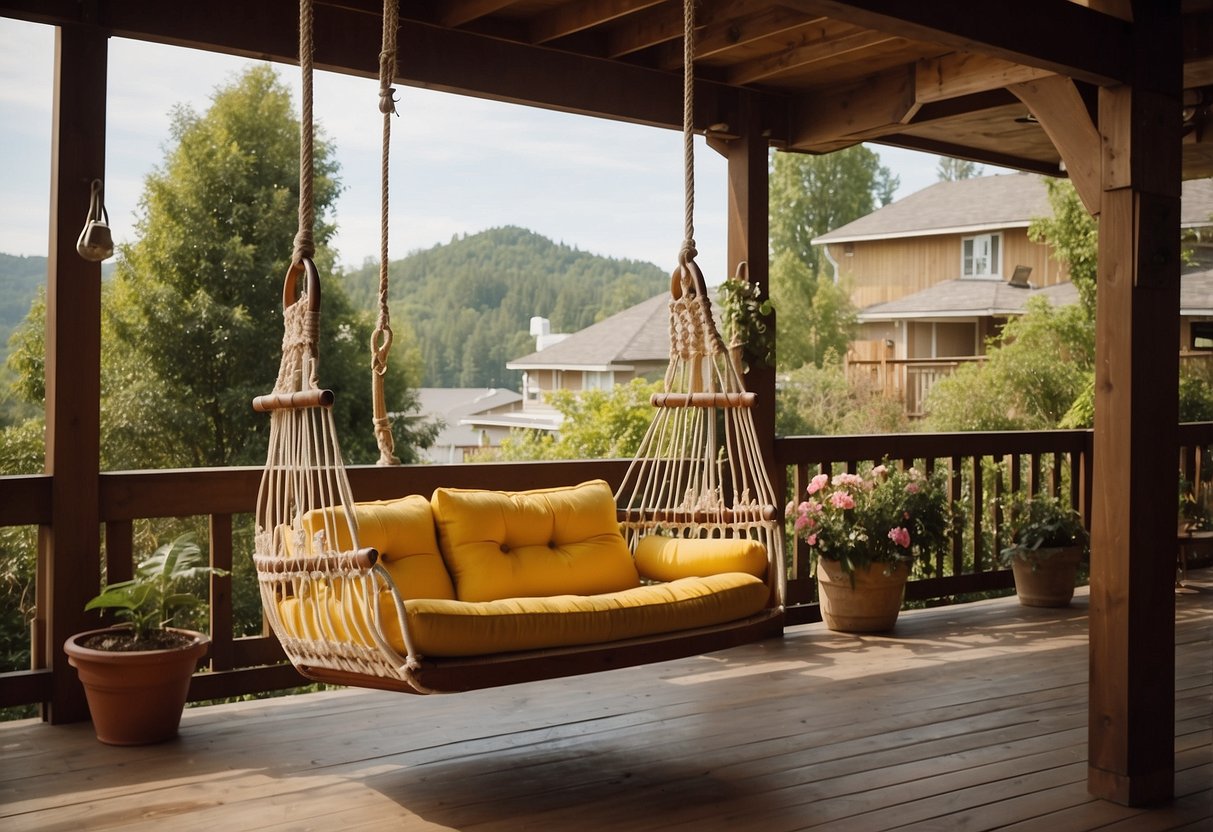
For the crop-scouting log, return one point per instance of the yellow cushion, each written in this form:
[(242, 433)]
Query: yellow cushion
[(459, 628), (553, 541), (661, 558), (402, 531)]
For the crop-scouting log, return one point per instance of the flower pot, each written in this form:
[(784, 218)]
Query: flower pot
[(1046, 577), (870, 605), (135, 698)]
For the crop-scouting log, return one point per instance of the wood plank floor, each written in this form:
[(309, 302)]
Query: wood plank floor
[(966, 718)]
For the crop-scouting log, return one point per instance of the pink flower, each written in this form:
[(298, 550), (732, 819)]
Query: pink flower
[(900, 536), (848, 479), (841, 499), (812, 507), (879, 471), (818, 482), (911, 488), (811, 539), (802, 521), (790, 508)]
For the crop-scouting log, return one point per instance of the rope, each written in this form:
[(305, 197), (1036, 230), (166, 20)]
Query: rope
[(688, 251), (381, 338), (305, 246)]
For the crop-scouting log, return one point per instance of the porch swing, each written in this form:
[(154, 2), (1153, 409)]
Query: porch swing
[(473, 589)]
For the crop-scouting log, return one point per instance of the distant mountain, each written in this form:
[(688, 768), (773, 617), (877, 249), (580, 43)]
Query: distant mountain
[(469, 302), (20, 279)]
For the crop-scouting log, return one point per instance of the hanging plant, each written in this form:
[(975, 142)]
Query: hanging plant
[(744, 313)]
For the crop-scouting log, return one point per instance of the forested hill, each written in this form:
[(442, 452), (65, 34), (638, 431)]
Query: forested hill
[(469, 302), (20, 279)]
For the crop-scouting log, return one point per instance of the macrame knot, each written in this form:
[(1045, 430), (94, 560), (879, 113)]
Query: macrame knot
[(387, 101), (305, 246), (688, 252)]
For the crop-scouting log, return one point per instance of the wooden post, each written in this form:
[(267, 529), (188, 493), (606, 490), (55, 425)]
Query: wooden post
[(748, 224), (69, 556), (1131, 756)]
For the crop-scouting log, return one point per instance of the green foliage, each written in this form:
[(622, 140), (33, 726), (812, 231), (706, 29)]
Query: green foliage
[(1039, 522), (597, 424), (951, 169), (469, 303), (1034, 371), (885, 516), (810, 195), (21, 278), (819, 401), (1074, 235), (157, 594), (744, 315)]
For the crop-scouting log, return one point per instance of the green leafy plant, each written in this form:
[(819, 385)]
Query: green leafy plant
[(1039, 525), (885, 516), (151, 600), (744, 314)]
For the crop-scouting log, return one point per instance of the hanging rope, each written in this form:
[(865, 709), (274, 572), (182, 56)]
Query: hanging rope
[(305, 246), (381, 338), (688, 131)]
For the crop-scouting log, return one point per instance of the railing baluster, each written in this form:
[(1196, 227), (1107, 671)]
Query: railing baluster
[(221, 623)]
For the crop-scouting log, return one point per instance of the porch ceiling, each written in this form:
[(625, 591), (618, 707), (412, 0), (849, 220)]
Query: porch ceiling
[(824, 74)]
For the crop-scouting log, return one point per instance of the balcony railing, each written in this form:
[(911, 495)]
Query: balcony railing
[(981, 467), (905, 380)]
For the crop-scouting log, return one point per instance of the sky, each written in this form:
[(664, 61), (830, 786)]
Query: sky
[(459, 165)]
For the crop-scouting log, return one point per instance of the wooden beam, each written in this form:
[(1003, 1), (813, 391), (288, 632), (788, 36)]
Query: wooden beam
[(1012, 31), (571, 18), (1131, 758), (728, 32), (963, 73), (458, 12), (1058, 106), (70, 547), (814, 44), (844, 115), (975, 154)]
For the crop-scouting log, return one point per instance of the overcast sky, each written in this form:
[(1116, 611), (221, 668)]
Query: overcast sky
[(459, 164)]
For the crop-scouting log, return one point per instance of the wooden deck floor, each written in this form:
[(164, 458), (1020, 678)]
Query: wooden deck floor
[(967, 718)]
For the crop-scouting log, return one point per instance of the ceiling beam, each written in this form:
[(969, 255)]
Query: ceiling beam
[(450, 60), (843, 115), (1058, 106), (458, 12), (733, 32), (816, 43), (1078, 42), (663, 24), (973, 154), (962, 73), (571, 18)]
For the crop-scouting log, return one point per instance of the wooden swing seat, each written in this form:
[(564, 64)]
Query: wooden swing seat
[(485, 588)]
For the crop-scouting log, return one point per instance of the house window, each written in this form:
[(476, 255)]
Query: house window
[(1202, 335), (596, 380), (980, 256)]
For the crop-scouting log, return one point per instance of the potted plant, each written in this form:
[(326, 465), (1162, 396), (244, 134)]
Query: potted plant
[(136, 675), (864, 533), (1048, 540)]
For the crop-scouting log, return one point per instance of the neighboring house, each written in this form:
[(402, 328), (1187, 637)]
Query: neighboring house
[(634, 343), (474, 418), (935, 274)]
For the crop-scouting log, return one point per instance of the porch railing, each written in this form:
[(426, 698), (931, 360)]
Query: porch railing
[(980, 466)]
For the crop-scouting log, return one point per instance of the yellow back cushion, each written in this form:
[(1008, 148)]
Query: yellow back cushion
[(524, 544), (403, 533), (670, 558)]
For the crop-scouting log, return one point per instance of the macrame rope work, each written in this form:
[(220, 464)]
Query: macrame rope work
[(307, 552), (381, 338), (700, 472)]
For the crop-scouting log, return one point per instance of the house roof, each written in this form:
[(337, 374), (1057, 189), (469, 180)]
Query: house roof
[(455, 404), (985, 203), (967, 298), (1196, 293), (638, 334)]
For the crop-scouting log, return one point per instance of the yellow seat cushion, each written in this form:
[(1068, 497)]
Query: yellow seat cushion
[(552, 541), (459, 628), (402, 531), (661, 558)]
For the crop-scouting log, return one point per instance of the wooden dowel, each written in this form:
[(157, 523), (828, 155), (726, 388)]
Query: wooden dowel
[(679, 515), (293, 401), (359, 559), (703, 399)]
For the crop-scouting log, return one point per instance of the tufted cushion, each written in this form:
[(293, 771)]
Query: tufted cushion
[(552, 541), (669, 558), (402, 531)]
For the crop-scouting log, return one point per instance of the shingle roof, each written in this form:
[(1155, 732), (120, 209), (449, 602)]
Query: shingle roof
[(454, 404), (985, 202), (1196, 293), (637, 334), (967, 298)]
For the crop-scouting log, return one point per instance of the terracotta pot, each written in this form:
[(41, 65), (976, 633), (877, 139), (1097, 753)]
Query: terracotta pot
[(135, 698), (871, 605), (1046, 579)]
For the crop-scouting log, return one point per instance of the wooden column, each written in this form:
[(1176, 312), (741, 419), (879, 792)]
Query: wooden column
[(69, 556), (748, 232), (1132, 658)]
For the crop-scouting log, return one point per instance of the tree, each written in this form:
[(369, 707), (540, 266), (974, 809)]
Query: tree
[(810, 195), (822, 401), (951, 169), (597, 424), (1074, 235)]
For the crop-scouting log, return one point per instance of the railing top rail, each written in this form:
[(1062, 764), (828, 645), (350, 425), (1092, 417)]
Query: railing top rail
[(935, 445)]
